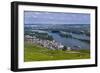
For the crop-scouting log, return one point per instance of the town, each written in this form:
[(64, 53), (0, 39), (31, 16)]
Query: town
[(52, 45)]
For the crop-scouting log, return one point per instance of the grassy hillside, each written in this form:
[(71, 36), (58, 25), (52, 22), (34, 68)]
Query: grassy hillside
[(33, 52)]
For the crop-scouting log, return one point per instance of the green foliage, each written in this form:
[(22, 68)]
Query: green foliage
[(64, 48), (44, 36), (33, 52), (65, 35)]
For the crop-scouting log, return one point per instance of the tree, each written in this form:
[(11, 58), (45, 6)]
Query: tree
[(64, 48)]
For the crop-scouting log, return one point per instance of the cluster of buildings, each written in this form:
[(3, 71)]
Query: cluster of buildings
[(45, 43)]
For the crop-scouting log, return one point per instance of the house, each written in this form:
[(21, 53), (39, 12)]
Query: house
[(53, 45), (28, 39)]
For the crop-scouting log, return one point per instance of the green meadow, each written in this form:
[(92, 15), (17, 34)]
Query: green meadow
[(33, 52)]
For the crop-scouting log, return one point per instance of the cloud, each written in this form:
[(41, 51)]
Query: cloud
[(56, 18)]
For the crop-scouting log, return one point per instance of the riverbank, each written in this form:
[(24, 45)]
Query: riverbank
[(33, 52)]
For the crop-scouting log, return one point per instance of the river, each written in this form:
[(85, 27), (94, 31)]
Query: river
[(69, 41), (72, 42)]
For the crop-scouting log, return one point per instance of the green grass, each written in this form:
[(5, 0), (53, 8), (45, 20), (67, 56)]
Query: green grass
[(33, 52)]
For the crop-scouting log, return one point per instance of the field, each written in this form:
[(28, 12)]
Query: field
[(33, 52)]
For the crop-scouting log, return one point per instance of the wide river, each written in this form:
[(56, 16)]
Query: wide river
[(71, 42)]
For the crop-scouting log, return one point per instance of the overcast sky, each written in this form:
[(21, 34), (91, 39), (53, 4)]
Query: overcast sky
[(55, 18)]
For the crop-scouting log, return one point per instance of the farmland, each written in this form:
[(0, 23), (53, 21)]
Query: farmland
[(33, 52)]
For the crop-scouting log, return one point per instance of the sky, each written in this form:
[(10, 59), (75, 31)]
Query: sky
[(36, 17)]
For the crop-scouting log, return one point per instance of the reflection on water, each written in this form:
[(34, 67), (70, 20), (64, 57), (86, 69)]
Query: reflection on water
[(70, 41)]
